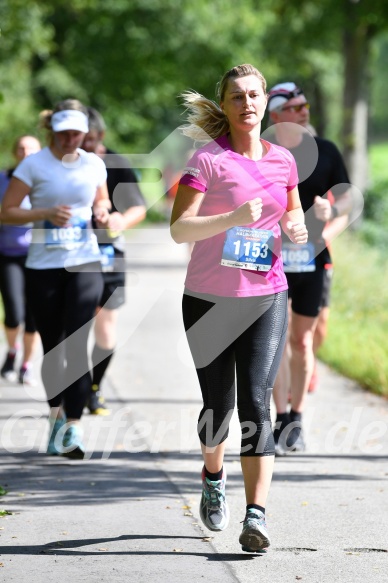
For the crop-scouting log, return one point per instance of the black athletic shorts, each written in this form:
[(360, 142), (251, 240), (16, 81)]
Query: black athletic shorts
[(305, 291), (327, 281), (113, 295)]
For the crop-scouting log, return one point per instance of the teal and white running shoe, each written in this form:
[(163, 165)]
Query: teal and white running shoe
[(254, 537), (213, 509), (72, 443), (53, 447)]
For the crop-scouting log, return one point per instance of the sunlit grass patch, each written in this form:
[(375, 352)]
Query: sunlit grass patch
[(357, 343)]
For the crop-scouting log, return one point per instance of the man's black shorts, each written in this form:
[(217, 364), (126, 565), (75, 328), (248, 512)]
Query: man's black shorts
[(327, 280), (305, 291), (113, 295)]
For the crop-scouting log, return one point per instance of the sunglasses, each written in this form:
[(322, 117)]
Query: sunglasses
[(296, 108)]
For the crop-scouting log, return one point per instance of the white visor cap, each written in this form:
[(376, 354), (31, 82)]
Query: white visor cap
[(69, 119), (281, 93)]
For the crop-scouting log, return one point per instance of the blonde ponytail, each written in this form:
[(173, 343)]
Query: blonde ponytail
[(206, 119), (45, 119)]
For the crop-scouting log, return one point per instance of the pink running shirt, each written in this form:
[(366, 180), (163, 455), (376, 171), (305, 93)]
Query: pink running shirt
[(228, 180)]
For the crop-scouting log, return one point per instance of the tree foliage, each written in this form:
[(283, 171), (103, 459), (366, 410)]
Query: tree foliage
[(21, 39), (344, 28), (132, 58)]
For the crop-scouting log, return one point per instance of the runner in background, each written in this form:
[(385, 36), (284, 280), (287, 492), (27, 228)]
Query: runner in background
[(331, 230), (172, 176), (63, 267), (128, 210), (14, 243), (171, 180), (320, 168)]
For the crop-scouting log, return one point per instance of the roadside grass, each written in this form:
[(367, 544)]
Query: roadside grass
[(357, 340), (374, 228), (3, 512), (378, 160)]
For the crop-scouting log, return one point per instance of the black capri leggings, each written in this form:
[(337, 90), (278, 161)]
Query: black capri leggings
[(13, 293), (64, 304), (241, 338)]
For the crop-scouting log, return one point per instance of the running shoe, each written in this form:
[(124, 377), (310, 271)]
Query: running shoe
[(26, 377), (96, 403), (213, 508), (72, 443), (295, 439), (55, 426), (7, 370), (254, 537), (280, 437)]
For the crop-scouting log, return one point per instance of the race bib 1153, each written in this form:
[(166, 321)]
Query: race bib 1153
[(246, 248)]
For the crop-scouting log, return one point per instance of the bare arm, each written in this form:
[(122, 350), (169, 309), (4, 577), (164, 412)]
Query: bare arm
[(323, 208), (12, 214), (134, 216), (292, 221), (117, 221), (130, 218), (102, 204), (187, 227), (334, 228)]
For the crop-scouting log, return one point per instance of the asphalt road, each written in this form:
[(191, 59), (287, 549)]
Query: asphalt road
[(129, 512)]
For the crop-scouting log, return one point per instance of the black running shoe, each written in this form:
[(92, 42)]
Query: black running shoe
[(8, 368), (280, 434), (96, 402), (295, 439)]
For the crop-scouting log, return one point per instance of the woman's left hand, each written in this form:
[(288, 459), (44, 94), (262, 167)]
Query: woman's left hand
[(101, 214), (297, 232)]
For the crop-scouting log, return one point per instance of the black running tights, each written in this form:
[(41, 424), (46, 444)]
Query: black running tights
[(12, 288), (64, 305), (243, 339)]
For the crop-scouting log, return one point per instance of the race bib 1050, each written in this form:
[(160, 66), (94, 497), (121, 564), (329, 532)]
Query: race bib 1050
[(298, 258)]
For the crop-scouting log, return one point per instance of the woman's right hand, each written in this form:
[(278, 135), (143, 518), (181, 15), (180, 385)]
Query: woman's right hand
[(59, 215), (247, 213)]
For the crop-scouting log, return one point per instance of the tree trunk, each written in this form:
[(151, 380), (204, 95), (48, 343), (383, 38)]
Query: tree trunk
[(356, 93), (319, 108)]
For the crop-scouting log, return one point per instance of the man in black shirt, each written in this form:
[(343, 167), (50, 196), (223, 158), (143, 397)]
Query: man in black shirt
[(128, 209), (321, 169)]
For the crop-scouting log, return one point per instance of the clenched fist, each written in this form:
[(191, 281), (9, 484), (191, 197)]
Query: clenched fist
[(297, 232), (248, 213), (322, 208), (59, 215)]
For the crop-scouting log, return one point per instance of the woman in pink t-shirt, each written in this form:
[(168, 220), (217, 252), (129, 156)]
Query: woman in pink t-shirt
[(233, 193)]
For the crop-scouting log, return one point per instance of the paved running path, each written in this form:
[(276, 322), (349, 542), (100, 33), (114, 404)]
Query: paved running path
[(130, 511)]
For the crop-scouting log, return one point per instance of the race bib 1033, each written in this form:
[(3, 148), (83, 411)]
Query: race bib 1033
[(69, 237)]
